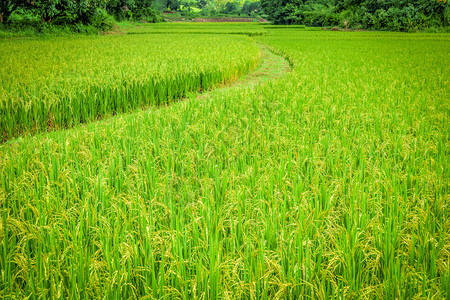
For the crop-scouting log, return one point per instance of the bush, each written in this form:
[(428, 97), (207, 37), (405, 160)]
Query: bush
[(21, 19), (85, 29), (345, 19), (64, 18), (149, 15), (101, 20)]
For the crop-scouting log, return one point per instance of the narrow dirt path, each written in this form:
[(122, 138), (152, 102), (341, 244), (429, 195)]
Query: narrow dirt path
[(272, 66)]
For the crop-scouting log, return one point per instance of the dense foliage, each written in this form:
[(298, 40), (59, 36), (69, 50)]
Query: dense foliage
[(136, 10), (191, 9), (370, 14), (97, 13)]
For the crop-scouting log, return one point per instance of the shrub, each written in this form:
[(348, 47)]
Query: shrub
[(102, 21), (149, 15), (22, 19)]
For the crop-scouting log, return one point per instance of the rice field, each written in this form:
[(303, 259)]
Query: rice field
[(330, 182), (200, 28), (56, 83)]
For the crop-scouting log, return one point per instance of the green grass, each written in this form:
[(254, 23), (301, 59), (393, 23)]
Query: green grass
[(331, 182)]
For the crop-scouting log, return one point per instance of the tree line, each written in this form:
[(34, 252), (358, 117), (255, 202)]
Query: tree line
[(100, 14), (397, 15), (204, 8)]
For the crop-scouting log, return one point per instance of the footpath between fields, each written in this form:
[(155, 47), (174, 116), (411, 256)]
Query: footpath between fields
[(272, 66)]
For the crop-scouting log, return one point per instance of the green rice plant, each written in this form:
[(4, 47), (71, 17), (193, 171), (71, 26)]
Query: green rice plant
[(329, 183), (250, 29), (56, 83)]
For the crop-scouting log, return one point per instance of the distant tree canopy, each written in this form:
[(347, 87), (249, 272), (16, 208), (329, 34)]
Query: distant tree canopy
[(230, 8), (250, 8), (399, 15), (133, 10), (49, 10), (98, 13), (215, 7)]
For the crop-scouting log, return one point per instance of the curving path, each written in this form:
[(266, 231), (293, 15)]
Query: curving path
[(272, 66)]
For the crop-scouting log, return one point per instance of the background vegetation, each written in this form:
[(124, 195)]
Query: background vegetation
[(191, 9), (80, 16), (398, 15), (91, 16)]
